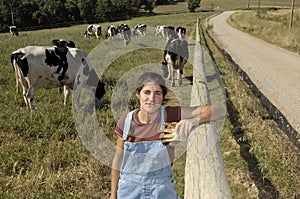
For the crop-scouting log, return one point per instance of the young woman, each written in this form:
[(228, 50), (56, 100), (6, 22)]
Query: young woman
[(141, 166)]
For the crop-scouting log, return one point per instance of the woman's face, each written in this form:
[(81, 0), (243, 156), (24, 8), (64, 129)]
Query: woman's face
[(150, 97)]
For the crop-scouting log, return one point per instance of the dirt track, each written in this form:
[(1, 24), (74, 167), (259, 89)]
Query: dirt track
[(274, 71)]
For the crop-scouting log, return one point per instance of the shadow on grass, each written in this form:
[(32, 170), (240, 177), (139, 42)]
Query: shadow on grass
[(264, 185)]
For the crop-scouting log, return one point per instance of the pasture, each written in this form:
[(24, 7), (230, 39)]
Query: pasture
[(43, 156), (270, 20), (41, 152), (234, 4)]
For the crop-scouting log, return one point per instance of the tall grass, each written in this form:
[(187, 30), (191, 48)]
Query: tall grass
[(269, 20), (41, 153), (260, 146), (234, 4)]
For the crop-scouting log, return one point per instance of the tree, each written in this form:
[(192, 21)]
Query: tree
[(87, 9), (148, 4), (72, 10), (162, 2), (193, 4), (23, 14)]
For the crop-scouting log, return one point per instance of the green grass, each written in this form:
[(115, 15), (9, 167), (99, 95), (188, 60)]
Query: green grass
[(270, 20), (41, 152), (42, 155), (260, 148), (234, 4)]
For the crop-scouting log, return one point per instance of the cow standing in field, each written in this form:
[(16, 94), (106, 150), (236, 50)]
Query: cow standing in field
[(169, 30), (181, 32), (50, 67), (93, 30), (139, 30), (126, 35), (124, 31), (111, 32), (160, 31), (55, 42), (14, 30), (175, 56)]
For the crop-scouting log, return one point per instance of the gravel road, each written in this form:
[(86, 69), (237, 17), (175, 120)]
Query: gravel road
[(274, 71)]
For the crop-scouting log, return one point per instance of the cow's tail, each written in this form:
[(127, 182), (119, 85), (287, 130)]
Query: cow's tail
[(13, 58)]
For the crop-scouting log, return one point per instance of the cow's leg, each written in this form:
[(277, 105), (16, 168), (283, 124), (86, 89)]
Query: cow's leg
[(169, 63), (179, 76), (30, 98), (24, 84), (170, 72), (164, 67), (25, 97), (17, 82), (182, 63), (17, 76), (173, 77), (66, 94)]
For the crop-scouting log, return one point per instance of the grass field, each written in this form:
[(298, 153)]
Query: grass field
[(42, 155), (234, 4), (269, 20)]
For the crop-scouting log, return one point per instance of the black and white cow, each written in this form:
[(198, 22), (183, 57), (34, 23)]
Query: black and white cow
[(54, 42), (49, 67), (169, 30), (124, 31), (14, 30), (120, 28), (175, 57), (111, 32), (160, 31), (126, 35), (93, 30), (139, 30), (181, 32)]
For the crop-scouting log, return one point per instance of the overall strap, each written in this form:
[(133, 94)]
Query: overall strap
[(127, 124), (162, 117), (129, 118)]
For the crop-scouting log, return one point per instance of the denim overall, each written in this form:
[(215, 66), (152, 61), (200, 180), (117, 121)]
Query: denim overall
[(146, 171)]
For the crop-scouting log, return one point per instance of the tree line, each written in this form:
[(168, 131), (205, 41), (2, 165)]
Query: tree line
[(47, 13)]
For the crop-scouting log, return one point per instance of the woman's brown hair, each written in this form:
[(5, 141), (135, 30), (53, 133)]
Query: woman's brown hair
[(151, 77)]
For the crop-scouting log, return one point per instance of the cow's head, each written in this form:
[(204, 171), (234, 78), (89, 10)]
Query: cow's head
[(62, 42), (170, 32), (181, 31)]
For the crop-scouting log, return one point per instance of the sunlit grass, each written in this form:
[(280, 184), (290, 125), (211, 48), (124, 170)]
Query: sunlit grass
[(41, 152), (263, 27), (42, 155), (271, 155)]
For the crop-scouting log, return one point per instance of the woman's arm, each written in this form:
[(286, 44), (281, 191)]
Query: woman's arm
[(203, 114), (190, 117), (116, 165)]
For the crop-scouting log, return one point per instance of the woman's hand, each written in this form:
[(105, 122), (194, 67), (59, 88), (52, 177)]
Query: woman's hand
[(177, 132)]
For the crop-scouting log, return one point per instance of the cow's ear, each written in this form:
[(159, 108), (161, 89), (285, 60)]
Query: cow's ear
[(54, 42)]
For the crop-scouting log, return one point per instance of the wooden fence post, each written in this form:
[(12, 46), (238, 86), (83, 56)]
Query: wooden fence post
[(205, 176)]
